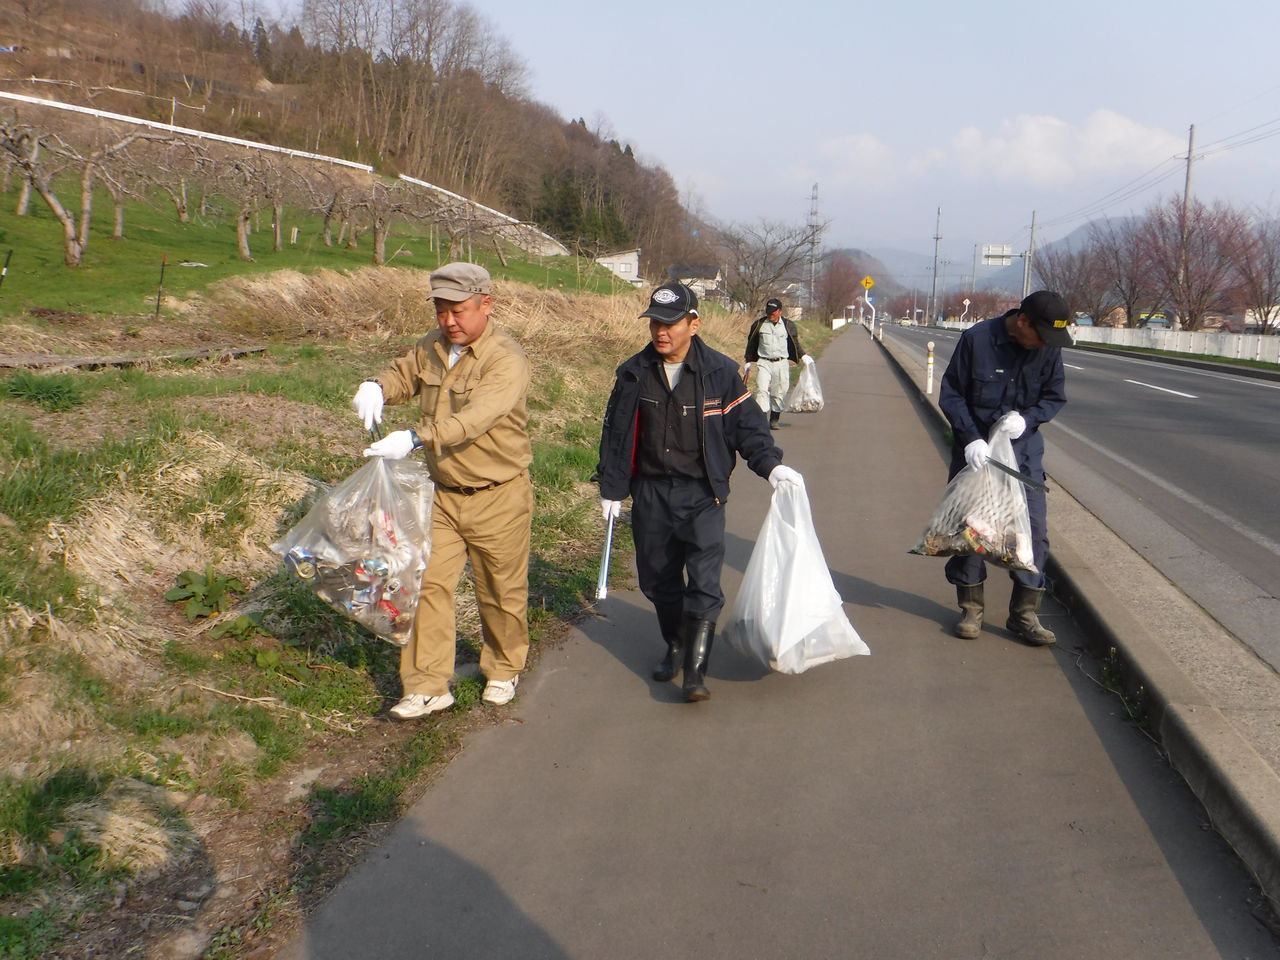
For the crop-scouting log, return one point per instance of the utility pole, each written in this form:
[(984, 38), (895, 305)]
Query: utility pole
[(933, 290), (814, 231), (1026, 261), (973, 277), (1184, 255)]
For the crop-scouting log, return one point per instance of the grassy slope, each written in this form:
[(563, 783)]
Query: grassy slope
[(113, 707)]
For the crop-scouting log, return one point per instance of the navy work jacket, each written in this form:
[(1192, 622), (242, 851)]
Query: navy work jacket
[(729, 422), (989, 375)]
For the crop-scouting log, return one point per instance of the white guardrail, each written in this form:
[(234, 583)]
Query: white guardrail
[(1237, 346)]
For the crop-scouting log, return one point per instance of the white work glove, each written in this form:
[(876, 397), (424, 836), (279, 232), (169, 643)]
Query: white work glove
[(610, 508), (784, 474), (806, 360), (394, 446), (1012, 425), (975, 454), (368, 403)]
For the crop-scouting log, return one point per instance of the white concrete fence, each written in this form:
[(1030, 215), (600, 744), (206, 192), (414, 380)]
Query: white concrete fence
[(1238, 346)]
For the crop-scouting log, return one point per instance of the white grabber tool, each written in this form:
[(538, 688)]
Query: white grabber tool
[(602, 581)]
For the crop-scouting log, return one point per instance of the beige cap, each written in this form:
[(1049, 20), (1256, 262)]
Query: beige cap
[(460, 281)]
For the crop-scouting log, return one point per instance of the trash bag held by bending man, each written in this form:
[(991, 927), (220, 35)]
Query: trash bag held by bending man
[(983, 513), (788, 614), (364, 545)]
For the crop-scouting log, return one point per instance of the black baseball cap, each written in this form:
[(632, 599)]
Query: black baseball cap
[(771, 305), (1048, 313), (671, 303)]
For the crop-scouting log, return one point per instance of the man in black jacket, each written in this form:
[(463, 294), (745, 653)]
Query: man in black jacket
[(772, 344), (1007, 371), (677, 419)]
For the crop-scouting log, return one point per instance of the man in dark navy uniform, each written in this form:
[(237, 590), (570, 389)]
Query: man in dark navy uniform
[(677, 420), (1008, 365)]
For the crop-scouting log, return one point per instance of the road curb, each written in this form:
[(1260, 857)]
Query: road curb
[(1239, 790)]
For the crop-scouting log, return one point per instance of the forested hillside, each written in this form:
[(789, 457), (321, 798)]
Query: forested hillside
[(427, 88)]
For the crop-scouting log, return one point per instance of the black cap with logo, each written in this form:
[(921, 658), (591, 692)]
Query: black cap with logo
[(771, 305), (671, 303), (1048, 313)]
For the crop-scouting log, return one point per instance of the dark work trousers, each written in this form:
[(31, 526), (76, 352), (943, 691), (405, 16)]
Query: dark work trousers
[(972, 570), (679, 534)]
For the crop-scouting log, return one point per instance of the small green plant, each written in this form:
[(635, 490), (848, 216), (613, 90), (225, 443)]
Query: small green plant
[(241, 628), (53, 392), (206, 593)]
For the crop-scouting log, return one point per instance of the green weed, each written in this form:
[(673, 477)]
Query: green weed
[(559, 466), (372, 799), (53, 392), (205, 593)]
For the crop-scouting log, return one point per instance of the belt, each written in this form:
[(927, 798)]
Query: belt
[(468, 491), (773, 358)]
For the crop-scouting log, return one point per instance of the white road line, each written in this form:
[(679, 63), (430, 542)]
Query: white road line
[(1247, 532), (1072, 366), (1195, 372), (1189, 396)]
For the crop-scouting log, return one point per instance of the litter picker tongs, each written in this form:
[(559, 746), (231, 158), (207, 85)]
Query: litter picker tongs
[(1017, 476), (602, 581)]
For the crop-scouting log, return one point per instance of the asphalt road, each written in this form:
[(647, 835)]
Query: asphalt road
[(1182, 464), (937, 799)]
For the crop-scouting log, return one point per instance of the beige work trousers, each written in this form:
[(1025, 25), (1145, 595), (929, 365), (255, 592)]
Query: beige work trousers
[(773, 379), (491, 528)]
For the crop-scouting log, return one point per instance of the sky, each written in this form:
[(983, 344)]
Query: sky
[(989, 110)]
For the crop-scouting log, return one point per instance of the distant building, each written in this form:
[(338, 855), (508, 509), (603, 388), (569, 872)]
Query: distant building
[(706, 281), (624, 264)]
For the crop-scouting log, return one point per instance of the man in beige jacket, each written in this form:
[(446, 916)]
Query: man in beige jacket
[(471, 382)]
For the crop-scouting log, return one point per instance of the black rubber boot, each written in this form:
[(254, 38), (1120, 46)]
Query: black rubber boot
[(969, 596), (669, 622), (773, 420), (1026, 626), (699, 635)]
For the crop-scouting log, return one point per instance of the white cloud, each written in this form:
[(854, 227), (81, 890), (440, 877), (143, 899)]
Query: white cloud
[(1048, 151)]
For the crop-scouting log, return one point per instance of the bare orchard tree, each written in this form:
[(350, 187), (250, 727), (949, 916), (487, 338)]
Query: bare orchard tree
[(21, 143), (1191, 254), (1126, 260), (240, 176), (762, 257), (1080, 275), (1256, 259), (333, 194), (383, 203)]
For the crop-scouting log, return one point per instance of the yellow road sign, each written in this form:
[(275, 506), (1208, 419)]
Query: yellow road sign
[(868, 282)]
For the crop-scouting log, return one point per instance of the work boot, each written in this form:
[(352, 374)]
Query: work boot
[(1026, 626), (773, 420), (699, 635), (969, 596), (669, 622)]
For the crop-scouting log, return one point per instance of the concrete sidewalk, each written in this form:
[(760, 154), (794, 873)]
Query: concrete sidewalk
[(940, 798)]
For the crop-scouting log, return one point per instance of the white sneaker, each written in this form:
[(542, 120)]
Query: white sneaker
[(414, 705), (500, 691)]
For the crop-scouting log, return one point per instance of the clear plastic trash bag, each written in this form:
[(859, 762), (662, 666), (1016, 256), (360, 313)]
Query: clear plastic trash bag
[(806, 395), (984, 513), (364, 545), (787, 614)]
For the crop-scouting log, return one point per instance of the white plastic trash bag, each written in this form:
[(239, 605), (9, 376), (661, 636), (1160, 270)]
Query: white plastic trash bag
[(983, 513), (806, 395), (364, 545), (787, 614)]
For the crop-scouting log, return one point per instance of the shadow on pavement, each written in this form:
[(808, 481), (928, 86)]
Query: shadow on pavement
[(421, 899)]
